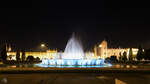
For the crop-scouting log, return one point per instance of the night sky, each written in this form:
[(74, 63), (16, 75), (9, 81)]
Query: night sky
[(27, 24)]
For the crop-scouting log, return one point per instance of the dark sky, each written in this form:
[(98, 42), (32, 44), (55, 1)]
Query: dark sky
[(27, 24)]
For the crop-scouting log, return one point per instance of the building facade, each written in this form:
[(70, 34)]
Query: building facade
[(100, 51), (103, 51), (51, 54)]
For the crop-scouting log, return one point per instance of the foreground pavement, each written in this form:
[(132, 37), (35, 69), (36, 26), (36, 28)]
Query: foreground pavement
[(107, 75), (74, 75), (75, 78)]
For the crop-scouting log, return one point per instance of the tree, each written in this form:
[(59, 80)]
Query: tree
[(113, 59), (124, 58), (37, 59), (147, 54), (120, 56), (130, 55), (140, 54), (30, 58), (3, 53), (18, 56), (23, 55)]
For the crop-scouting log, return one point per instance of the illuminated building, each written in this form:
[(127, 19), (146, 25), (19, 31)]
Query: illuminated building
[(51, 54), (100, 51), (103, 51)]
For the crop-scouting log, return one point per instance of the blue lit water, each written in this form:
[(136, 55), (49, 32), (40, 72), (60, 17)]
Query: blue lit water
[(72, 66), (72, 62)]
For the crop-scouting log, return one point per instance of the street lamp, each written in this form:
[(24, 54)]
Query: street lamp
[(43, 45), (100, 45)]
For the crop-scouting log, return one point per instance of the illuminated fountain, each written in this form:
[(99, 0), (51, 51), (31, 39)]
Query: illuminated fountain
[(73, 49), (73, 56)]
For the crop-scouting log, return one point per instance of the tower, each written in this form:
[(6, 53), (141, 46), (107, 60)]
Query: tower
[(95, 51), (8, 47), (103, 49)]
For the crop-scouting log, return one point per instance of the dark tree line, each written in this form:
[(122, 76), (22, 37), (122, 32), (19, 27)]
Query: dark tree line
[(3, 53), (141, 54), (18, 55), (147, 54)]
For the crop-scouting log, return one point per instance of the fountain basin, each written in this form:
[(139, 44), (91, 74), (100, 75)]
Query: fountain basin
[(73, 62)]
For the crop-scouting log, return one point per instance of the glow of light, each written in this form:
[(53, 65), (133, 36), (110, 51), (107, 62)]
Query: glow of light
[(109, 65), (42, 45), (100, 46)]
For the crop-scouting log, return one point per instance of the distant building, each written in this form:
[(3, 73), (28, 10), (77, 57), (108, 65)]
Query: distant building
[(103, 51), (8, 47), (100, 51), (51, 54), (47, 54)]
